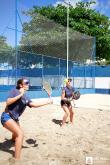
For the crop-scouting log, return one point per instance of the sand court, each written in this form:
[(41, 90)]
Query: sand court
[(46, 143)]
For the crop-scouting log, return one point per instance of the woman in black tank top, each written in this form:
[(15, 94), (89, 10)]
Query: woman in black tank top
[(66, 96)]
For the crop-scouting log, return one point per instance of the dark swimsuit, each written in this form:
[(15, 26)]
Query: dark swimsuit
[(68, 95), (13, 111)]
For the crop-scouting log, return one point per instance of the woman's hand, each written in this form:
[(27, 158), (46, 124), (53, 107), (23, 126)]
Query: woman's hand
[(22, 91), (14, 99), (40, 103)]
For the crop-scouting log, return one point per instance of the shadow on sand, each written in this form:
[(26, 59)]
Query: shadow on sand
[(57, 121), (6, 145), (32, 142)]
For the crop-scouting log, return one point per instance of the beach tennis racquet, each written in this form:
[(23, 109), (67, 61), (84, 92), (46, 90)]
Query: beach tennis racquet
[(47, 88), (76, 95)]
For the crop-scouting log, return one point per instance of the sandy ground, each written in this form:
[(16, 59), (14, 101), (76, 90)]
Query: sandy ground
[(87, 141)]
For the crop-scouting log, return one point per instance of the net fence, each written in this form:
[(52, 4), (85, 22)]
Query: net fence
[(35, 47)]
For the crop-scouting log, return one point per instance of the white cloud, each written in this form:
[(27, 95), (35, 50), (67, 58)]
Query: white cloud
[(72, 2), (57, 3), (95, 5), (100, 6)]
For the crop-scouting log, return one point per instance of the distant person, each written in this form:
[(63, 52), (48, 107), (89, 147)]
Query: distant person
[(66, 96), (15, 106)]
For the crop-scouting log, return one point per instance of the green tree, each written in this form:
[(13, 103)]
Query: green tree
[(81, 19), (5, 51)]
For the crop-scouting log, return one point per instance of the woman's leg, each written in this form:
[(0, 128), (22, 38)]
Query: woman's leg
[(12, 126), (13, 134), (71, 114), (65, 115)]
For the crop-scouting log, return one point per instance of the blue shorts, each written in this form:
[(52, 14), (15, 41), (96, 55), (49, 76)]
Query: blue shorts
[(5, 117)]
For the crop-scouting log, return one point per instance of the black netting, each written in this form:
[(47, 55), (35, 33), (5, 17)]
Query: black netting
[(35, 47)]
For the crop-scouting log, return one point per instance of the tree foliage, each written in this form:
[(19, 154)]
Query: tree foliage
[(81, 18), (5, 50)]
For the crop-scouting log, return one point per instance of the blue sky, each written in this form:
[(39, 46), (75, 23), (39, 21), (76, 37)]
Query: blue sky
[(7, 13)]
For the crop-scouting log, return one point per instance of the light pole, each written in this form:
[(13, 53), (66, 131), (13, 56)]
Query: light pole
[(16, 52), (67, 38), (67, 56)]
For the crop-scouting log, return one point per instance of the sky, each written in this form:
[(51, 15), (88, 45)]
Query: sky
[(7, 13)]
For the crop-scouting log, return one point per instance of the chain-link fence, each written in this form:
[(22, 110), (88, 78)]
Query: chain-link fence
[(35, 46)]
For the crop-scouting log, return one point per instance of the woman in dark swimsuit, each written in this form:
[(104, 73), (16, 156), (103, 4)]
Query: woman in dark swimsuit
[(15, 105), (67, 94)]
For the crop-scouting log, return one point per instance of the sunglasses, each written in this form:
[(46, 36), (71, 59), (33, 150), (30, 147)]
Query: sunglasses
[(69, 80), (26, 82)]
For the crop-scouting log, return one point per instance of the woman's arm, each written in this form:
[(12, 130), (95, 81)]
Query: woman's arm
[(14, 99), (39, 104), (63, 95)]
